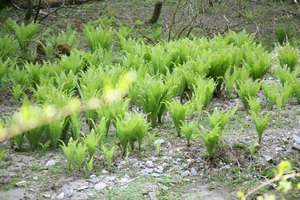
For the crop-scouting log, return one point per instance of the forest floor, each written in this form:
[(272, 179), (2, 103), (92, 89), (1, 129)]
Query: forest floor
[(177, 171)]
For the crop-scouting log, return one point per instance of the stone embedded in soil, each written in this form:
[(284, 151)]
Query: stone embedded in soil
[(82, 188), (279, 149), (185, 173), (147, 171), (268, 158), (296, 138), (152, 196), (155, 175), (159, 169), (296, 146), (69, 192), (21, 184), (46, 195), (60, 196), (194, 172), (123, 162), (161, 141), (149, 163), (100, 186), (35, 178), (93, 176), (51, 163)]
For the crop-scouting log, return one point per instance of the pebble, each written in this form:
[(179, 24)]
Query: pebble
[(161, 141), (152, 196), (110, 178), (104, 171), (149, 163), (51, 163), (21, 183), (194, 171), (123, 162), (60, 196), (268, 158), (100, 186), (82, 188), (185, 173), (158, 169), (93, 176), (279, 149), (35, 178), (69, 192), (296, 146), (46, 195), (296, 138), (155, 175), (147, 171)]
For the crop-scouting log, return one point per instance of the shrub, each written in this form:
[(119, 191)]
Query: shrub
[(153, 93), (248, 89), (178, 113), (188, 130), (257, 64), (130, 129), (288, 56), (211, 139)]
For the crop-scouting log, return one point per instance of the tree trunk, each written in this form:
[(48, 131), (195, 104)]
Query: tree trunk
[(156, 13)]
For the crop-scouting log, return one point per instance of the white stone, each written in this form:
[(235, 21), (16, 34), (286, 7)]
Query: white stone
[(60, 196), (51, 163), (100, 186)]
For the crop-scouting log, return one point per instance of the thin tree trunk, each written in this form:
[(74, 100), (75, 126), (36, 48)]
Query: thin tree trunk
[(156, 13), (29, 10)]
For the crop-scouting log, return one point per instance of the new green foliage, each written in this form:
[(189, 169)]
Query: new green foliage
[(188, 130), (257, 64), (178, 113), (55, 132), (288, 56), (34, 136), (109, 153), (79, 155), (261, 122), (130, 129), (286, 75), (8, 47), (153, 93), (247, 89), (24, 33), (98, 37), (211, 139), (254, 104), (220, 119), (17, 91), (69, 151), (75, 125), (270, 93), (91, 141), (229, 80)]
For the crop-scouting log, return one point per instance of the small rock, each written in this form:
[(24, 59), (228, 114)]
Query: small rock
[(147, 171), (152, 196), (185, 173), (125, 179), (100, 186), (161, 141), (171, 152), (93, 176), (69, 192), (82, 188), (155, 175), (35, 178), (194, 172), (296, 146), (46, 195), (296, 138), (21, 183), (123, 162), (164, 165), (60, 196), (51, 163), (110, 178), (149, 163), (104, 171), (268, 158), (279, 149), (158, 169)]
